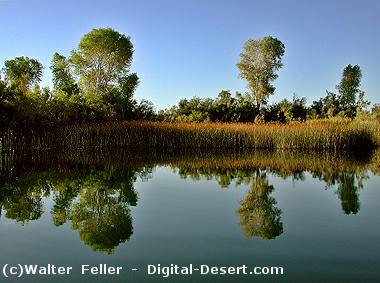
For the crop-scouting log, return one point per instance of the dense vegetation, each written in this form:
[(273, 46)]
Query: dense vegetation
[(92, 85), (142, 135), (348, 103), (241, 108), (93, 88)]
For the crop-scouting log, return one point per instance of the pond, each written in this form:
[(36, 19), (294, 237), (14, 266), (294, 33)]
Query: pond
[(314, 215)]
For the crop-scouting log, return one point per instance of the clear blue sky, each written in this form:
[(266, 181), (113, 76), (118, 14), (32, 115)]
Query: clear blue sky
[(187, 48)]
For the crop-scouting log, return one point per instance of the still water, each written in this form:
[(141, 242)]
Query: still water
[(316, 215)]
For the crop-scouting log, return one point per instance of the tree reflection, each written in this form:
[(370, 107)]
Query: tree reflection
[(102, 221), (22, 199), (95, 201), (94, 193), (98, 207), (258, 214), (348, 193), (23, 207)]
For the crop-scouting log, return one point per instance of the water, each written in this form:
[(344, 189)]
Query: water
[(315, 215)]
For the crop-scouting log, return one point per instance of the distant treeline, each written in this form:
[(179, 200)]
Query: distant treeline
[(94, 85), (241, 108)]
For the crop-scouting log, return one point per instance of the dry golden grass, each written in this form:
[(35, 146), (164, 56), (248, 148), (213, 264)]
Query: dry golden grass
[(316, 136)]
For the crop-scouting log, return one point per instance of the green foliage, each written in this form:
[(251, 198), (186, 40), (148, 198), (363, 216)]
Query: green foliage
[(96, 202), (102, 59), (259, 62), (93, 85), (144, 110), (120, 99), (362, 104), (348, 103), (225, 108), (348, 88), (23, 72), (285, 111), (63, 79)]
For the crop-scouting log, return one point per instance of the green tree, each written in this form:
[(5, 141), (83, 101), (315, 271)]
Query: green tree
[(245, 107), (362, 104), (225, 107), (258, 64), (348, 89), (102, 60), (63, 79), (120, 98), (23, 72)]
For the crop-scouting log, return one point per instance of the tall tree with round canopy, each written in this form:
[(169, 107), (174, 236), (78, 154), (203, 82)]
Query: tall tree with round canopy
[(102, 60)]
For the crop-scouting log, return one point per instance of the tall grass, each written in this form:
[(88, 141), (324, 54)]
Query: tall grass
[(324, 135), (315, 136)]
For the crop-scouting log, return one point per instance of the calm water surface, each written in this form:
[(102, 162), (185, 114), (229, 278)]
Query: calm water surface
[(315, 215)]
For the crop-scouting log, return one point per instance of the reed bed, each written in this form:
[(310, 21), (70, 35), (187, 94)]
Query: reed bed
[(314, 136), (324, 135)]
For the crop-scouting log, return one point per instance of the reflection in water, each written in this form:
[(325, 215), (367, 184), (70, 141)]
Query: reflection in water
[(22, 206), (258, 214), (94, 193), (96, 202), (21, 200), (98, 207), (102, 221), (348, 193)]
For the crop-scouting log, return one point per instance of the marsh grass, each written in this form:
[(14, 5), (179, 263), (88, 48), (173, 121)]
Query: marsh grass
[(315, 136), (320, 135)]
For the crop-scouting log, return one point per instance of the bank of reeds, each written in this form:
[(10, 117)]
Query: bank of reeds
[(323, 135), (315, 136)]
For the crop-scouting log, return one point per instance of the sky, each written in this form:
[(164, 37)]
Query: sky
[(186, 48)]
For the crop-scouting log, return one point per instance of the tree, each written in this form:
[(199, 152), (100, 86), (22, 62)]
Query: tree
[(362, 103), (23, 72), (225, 106), (258, 64), (121, 99), (245, 107), (102, 60), (348, 88), (63, 79)]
